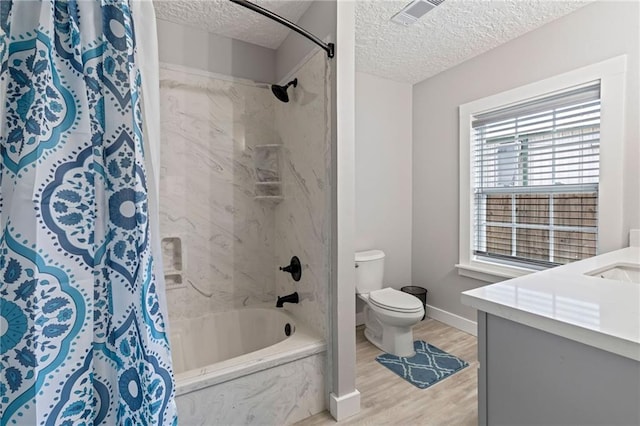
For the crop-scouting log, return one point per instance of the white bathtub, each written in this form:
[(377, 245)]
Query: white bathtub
[(240, 367)]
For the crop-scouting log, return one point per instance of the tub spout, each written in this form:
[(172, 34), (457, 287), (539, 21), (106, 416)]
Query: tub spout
[(290, 298)]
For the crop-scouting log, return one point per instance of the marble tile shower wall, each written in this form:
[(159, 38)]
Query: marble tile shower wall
[(210, 128), (303, 218)]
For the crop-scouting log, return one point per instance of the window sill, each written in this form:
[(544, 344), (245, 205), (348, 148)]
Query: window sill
[(489, 272)]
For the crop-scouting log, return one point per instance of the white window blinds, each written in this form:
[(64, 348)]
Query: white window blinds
[(535, 179)]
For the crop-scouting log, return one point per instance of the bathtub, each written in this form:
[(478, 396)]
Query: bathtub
[(247, 366)]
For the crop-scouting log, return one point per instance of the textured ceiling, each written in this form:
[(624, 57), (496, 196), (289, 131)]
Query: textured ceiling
[(450, 34), (231, 20)]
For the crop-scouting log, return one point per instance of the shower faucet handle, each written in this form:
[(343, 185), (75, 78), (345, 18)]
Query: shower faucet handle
[(294, 268)]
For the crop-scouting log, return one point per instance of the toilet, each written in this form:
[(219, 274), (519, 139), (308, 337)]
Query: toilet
[(389, 313)]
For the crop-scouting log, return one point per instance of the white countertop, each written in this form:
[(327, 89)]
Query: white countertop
[(595, 311)]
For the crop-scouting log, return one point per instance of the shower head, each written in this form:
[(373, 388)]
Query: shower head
[(281, 91)]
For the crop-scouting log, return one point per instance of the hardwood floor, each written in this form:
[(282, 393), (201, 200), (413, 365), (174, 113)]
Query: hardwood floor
[(387, 399)]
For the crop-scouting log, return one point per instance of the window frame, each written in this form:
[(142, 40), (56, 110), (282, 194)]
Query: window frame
[(612, 76), (507, 154)]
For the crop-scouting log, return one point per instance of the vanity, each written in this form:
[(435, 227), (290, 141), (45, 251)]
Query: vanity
[(561, 346)]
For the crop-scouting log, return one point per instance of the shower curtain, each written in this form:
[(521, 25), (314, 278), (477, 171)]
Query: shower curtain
[(82, 332)]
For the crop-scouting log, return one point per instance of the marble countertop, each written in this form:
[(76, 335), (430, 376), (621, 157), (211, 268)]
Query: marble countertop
[(599, 312)]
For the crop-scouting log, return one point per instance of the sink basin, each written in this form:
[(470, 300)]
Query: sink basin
[(627, 272)]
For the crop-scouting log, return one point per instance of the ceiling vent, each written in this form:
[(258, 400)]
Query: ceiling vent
[(414, 11)]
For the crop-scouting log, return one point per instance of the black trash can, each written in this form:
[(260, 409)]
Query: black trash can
[(420, 293)]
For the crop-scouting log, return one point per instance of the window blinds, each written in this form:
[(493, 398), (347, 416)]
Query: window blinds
[(535, 169)]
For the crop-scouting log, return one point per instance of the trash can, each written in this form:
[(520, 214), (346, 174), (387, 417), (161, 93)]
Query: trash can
[(420, 293)]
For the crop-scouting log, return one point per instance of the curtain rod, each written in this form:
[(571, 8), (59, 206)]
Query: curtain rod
[(329, 47)]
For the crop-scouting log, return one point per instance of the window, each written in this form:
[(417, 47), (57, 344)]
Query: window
[(541, 173), (536, 174)]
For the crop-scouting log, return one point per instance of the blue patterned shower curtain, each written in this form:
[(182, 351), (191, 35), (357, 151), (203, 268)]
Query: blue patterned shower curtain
[(82, 335)]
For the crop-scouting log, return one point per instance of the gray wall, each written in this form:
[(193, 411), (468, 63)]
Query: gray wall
[(319, 20), (195, 48), (383, 173), (594, 33)]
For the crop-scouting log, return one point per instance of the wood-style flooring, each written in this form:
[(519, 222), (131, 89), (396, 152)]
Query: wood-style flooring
[(387, 399)]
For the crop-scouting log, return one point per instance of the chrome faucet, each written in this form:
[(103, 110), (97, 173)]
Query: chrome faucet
[(290, 298)]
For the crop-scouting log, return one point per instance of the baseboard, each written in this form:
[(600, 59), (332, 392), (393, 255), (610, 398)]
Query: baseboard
[(453, 320), (441, 315), (344, 406)]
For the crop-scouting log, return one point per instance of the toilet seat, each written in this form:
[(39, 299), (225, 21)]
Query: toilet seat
[(391, 299)]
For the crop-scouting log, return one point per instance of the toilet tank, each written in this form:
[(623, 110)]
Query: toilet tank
[(369, 270)]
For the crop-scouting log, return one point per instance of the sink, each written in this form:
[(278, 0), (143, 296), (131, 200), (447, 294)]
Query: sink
[(627, 272)]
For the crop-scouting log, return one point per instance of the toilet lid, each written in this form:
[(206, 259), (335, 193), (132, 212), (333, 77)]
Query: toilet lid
[(394, 300)]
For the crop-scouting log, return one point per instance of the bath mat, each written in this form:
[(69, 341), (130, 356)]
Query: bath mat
[(428, 366)]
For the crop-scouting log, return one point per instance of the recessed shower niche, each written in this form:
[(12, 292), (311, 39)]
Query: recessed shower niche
[(173, 262), (268, 178)]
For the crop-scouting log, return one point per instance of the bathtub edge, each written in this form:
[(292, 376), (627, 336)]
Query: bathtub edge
[(192, 384)]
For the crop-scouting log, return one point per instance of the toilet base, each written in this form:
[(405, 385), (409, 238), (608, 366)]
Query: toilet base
[(398, 341), (390, 339)]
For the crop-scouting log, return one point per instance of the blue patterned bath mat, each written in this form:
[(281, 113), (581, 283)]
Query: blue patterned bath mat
[(428, 366)]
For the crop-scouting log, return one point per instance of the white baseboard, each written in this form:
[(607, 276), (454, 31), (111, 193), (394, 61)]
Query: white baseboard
[(441, 315), (453, 320), (344, 406)]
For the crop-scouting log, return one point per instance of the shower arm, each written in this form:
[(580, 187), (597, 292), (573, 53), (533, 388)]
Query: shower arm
[(328, 47)]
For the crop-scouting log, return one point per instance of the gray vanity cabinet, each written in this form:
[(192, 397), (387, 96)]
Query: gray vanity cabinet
[(532, 377)]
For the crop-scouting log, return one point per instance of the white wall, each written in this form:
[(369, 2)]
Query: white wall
[(195, 48), (592, 34), (319, 20), (383, 173)]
